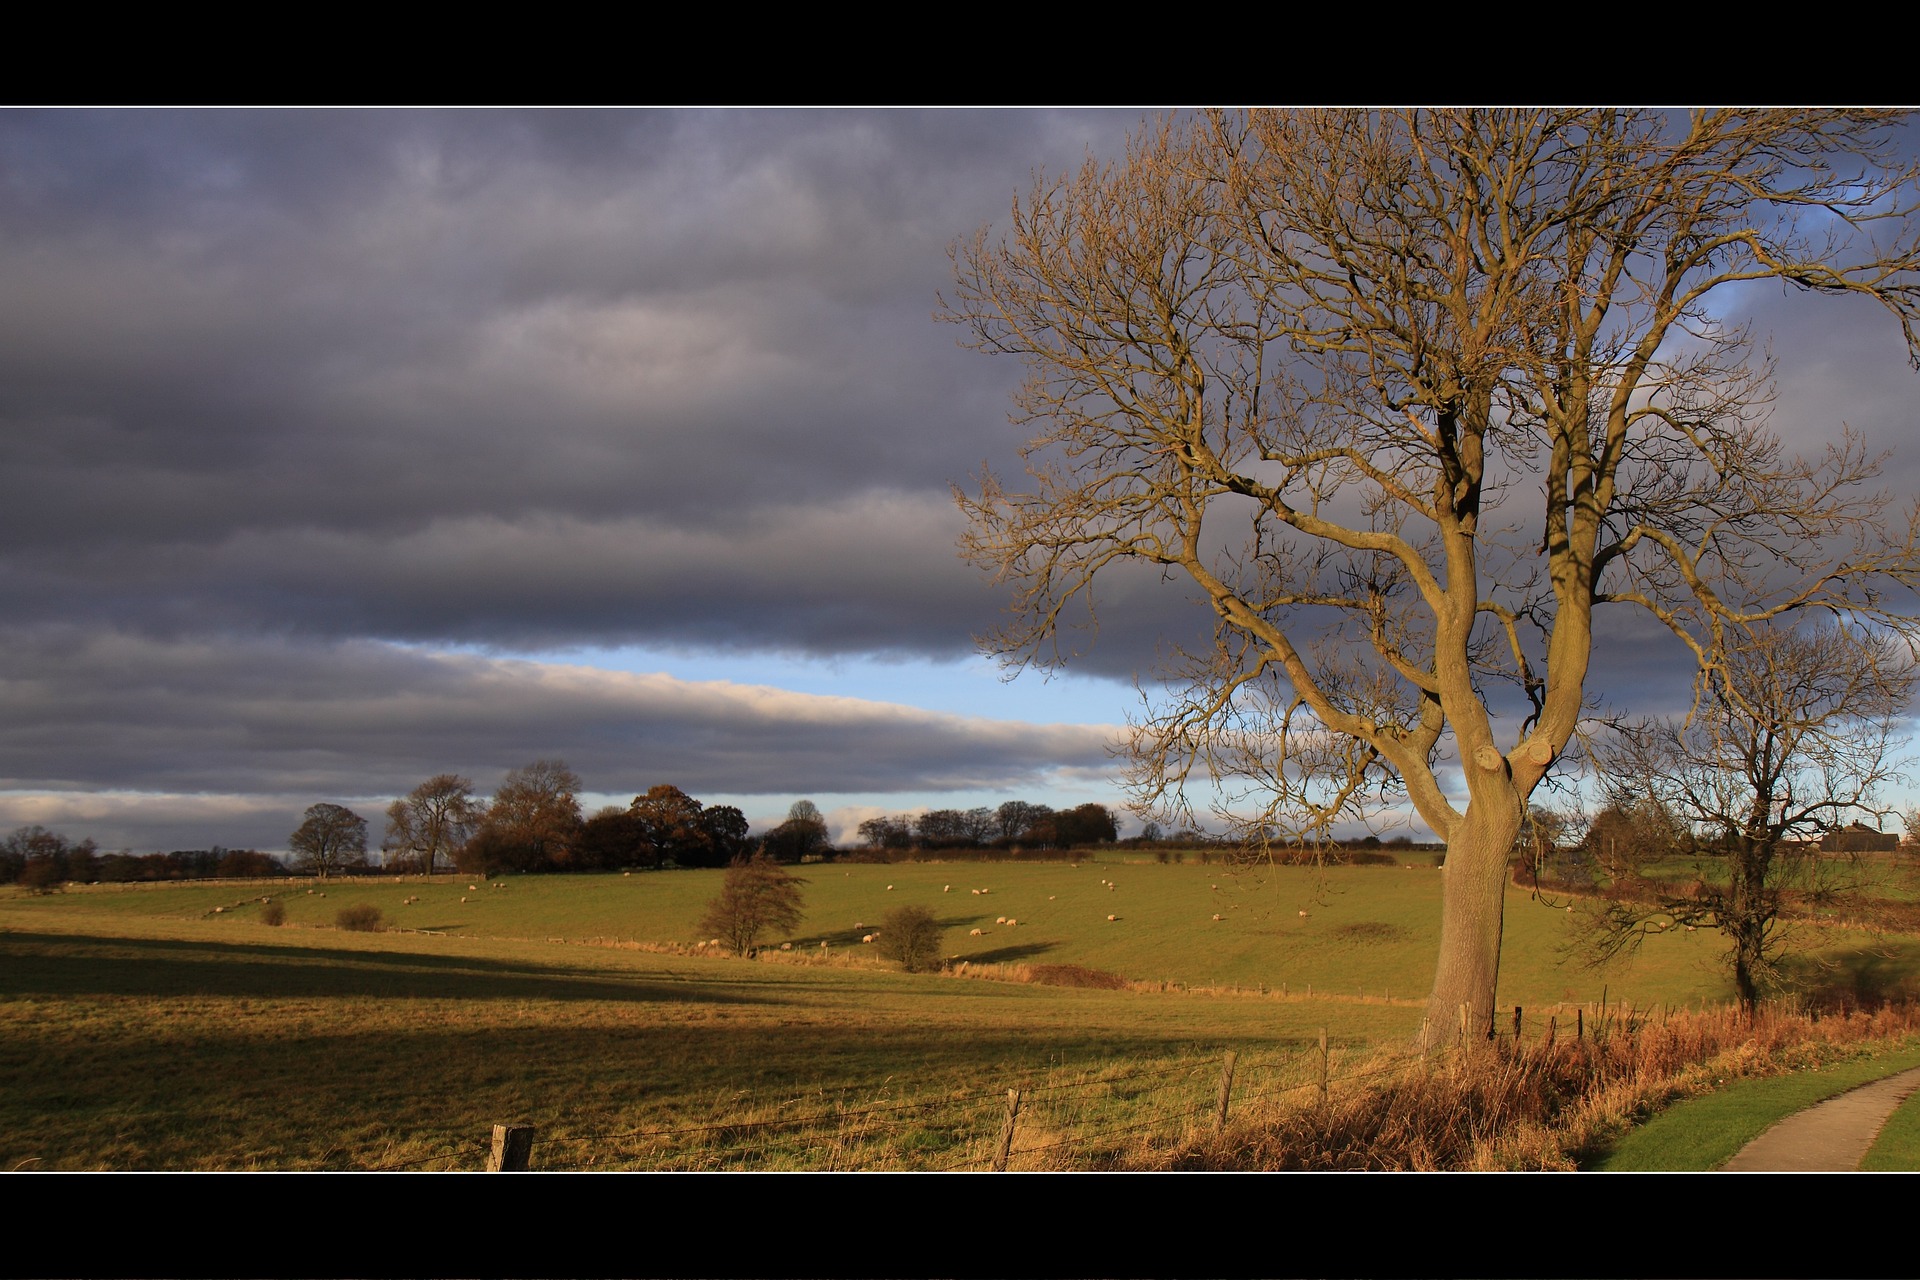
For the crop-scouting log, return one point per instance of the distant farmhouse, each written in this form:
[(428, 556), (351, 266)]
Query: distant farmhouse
[(1858, 838)]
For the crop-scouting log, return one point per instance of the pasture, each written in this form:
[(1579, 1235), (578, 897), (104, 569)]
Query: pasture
[(168, 1027)]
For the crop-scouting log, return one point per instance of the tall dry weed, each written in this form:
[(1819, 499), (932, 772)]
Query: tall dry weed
[(1534, 1105)]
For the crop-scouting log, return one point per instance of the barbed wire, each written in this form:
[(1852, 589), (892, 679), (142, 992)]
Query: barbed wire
[(842, 1133)]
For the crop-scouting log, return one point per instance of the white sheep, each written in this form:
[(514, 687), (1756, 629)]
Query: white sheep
[(1113, 917), (786, 946), (946, 888), (1303, 915), (1011, 922), (1218, 916), (867, 937), (463, 897), (975, 933), (999, 919), (889, 888), (976, 892)]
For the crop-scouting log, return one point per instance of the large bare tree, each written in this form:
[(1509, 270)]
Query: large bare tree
[(1794, 736), (330, 837), (431, 822), (1408, 398)]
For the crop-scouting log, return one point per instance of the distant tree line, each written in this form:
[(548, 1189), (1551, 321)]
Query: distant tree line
[(533, 823), (1016, 822), (42, 860)]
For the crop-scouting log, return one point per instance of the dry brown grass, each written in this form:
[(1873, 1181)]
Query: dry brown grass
[(1537, 1106)]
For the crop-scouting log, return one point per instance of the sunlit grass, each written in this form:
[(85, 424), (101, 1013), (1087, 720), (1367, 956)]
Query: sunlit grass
[(1705, 1132), (1897, 1148), (142, 1028)]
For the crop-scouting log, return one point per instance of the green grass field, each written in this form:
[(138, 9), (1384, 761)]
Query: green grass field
[(168, 1027), (1704, 1133)]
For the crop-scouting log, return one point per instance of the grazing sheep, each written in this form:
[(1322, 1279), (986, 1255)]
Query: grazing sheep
[(1113, 917), (889, 888), (1049, 897), (859, 924), (463, 897), (946, 888), (986, 891), (999, 919), (1011, 922), (975, 933), (218, 910), (473, 888), (823, 944), (1303, 915), (866, 937), (786, 946), (1218, 916), (976, 892)]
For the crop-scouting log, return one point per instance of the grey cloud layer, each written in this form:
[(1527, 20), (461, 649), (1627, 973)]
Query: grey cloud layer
[(278, 386), (104, 712)]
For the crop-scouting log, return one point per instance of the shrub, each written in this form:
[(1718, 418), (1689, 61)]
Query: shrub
[(1074, 975), (911, 936), (363, 918), (274, 912)]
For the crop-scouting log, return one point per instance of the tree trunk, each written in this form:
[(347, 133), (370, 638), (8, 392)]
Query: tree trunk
[(1472, 905)]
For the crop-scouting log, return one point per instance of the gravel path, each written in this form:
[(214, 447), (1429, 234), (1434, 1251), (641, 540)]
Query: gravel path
[(1833, 1135)]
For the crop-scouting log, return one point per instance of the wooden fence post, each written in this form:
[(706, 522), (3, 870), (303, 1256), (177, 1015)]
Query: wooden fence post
[(1006, 1134), (1516, 1025), (1323, 1066), (1553, 1025), (1226, 1089), (512, 1148)]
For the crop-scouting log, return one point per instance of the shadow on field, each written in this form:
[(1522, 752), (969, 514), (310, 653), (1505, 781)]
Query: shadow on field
[(55, 964), (1863, 978), (1011, 955), (599, 1093)]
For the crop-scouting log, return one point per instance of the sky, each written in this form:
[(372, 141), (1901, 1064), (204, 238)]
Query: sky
[(339, 449)]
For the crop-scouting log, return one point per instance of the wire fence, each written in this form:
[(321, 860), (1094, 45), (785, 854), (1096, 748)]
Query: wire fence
[(1087, 1119)]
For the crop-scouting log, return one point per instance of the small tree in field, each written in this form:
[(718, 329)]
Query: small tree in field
[(757, 898), (1793, 735), (911, 936)]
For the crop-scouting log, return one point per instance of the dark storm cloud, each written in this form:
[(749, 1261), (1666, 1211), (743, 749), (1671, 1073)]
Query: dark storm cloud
[(564, 376), (89, 711), (276, 387)]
